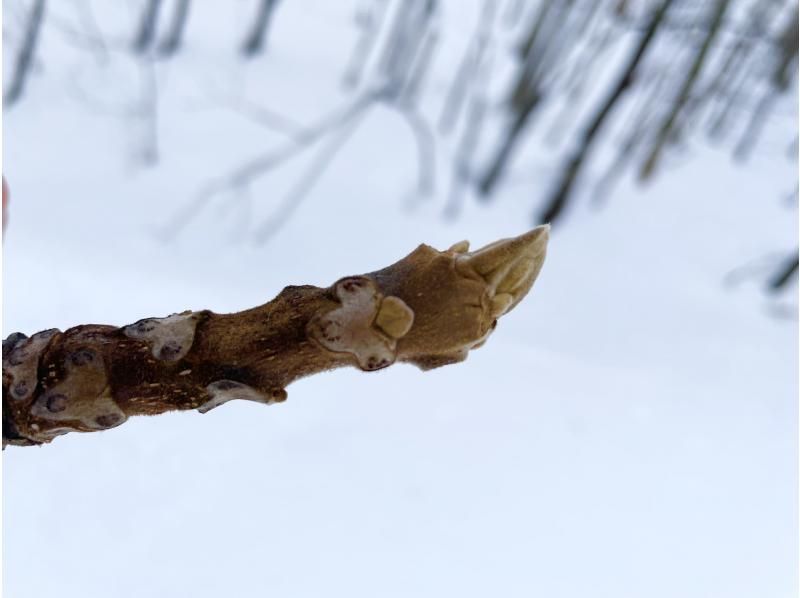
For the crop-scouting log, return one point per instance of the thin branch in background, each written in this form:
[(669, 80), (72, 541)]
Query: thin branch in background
[(513, 13), (579, 78), (786, 68), (635, 136), (258, 166), (24, 58), (759, 268), (466, 149), (784, 274), (425, 140), (91, 38), (403, 64), (95, 33), (146, 113), (784, 72), (577, 20), (262, 164), (412, 22), (471, 62), (542, 51), (173, 39), (471, 133), (305, 183), (555, 45), (621, 9), (370, 24), (723, 84), (327, 152), (733, 99), (501, 157), (665, 131), (702, 103), (537, 25), (147, 27), (742, 66), (420, 66), (727, 73), (395, 49), (265, 117), (754, 127), (457, 94), (255, 40), (558, 198), (341, 127), (598, 33), (526, 96)]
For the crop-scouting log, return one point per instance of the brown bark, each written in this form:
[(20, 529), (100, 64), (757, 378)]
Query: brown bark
[(430, 309)]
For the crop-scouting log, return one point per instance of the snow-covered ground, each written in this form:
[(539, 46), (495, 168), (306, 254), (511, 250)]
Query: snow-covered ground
[(629, 430)]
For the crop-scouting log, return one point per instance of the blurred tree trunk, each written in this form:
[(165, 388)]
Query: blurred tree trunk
[(458, 94), (24, 58), (172, 41), (785, 70), (558, 199), (147, 26), (541, 52), (787, 43), (733, 71), (786, 272), (370, 23), (524, 99), (529, 102), (667, 128), (254, 43)]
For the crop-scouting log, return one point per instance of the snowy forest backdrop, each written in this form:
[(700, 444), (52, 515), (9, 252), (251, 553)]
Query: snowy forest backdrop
[(629, 431)]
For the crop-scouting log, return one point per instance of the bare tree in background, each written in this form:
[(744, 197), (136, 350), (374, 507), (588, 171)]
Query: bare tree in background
[(607, 87), (147, 26), (721, 51), (396, 82), (369, 21), (255, 40), (174, 36), (785, 273), (556, 201), (25, 55), (527, 91)]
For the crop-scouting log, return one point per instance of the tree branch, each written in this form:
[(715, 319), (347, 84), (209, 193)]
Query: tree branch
[(24, 59), (430, 309)]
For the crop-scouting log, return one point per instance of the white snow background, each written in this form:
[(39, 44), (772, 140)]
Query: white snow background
[(629, 430)]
